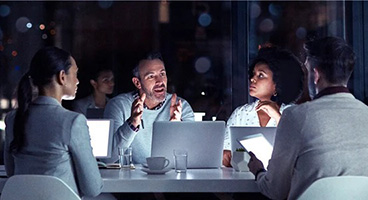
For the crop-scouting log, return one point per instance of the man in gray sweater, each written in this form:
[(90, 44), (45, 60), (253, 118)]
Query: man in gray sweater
[(325, 137), (134, 113)]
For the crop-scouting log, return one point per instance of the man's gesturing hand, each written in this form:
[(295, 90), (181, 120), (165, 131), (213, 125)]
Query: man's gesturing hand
[(175, 109), (137, 110)]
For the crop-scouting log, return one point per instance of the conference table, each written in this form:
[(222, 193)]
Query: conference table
[(194, 180)]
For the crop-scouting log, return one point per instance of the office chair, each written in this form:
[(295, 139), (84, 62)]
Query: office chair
[(40, 187), (337, 188)]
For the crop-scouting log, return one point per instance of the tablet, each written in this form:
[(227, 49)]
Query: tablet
[(259, 145)]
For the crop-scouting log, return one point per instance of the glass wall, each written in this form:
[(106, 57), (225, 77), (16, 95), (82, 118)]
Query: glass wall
[(206, 45), (194, 38)]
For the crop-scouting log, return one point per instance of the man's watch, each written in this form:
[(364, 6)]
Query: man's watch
[(135, 129)]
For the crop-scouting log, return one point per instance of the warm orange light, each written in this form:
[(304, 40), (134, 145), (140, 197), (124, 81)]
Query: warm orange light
[(14, 53), (1, 48), (52, 32)]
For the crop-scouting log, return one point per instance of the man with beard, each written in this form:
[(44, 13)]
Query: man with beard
[(322, 138), (134, 113)]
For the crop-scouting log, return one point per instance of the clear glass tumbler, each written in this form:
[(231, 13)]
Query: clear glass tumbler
[(125, 157), (181, 160)]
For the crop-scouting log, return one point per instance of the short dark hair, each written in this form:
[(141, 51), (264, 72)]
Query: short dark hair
[(96, 72), (287, 72), (333, 57), (149, 56)]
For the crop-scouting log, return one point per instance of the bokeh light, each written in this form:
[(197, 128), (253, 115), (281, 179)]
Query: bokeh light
[(202, 64), (105, 4), (21, 24), (14, 53), (29, 25), (44, 36), (275, 9), (42, 27), (301, 33), (4, 10), (52, 32), (204, 19), (255, 10), (4, 103), (266, 25)]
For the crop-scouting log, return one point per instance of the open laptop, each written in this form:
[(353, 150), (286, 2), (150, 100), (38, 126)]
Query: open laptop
[(101, 132), (202, 140), (237, 132)]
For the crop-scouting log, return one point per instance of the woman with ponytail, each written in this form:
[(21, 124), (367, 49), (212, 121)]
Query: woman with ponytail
[(44, 138)]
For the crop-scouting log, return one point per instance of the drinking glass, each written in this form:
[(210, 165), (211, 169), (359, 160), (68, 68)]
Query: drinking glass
[(180, 158), (125, 157)]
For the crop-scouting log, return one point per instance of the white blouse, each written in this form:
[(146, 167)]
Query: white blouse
[(246, 115)]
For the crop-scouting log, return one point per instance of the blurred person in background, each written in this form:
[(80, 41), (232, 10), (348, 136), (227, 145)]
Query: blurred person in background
[(102, 82)]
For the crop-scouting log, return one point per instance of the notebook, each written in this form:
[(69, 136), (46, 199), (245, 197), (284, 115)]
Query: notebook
[(259, 145), (202, 140), (237, 132), (101, 132)]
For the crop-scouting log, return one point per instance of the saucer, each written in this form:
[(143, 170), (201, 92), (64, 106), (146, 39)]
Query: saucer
[(162, 171)]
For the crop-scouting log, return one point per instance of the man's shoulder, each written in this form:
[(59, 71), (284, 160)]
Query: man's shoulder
[(297, 109)]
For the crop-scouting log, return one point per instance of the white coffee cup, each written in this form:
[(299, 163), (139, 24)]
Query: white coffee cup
[(157, 163)]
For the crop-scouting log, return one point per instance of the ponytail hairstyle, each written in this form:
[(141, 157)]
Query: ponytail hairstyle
[(45, 64)]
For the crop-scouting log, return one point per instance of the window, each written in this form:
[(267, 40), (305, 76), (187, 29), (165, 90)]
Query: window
[(206, 45)]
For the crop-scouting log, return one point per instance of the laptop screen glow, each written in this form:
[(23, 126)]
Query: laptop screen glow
[(101, 137), (259, 145)]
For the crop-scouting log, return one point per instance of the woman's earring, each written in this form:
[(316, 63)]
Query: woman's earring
[(275, 94)]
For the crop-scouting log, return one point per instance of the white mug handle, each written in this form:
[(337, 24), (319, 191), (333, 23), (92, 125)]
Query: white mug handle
[(168, 162)]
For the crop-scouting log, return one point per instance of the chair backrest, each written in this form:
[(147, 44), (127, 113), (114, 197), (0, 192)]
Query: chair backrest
[(40, 187), (337, 188)]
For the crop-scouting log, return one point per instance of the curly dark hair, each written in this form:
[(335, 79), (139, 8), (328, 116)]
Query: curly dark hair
[(287, 73)]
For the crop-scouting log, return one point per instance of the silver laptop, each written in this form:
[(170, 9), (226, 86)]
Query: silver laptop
[(202, 140), (239, 132)]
